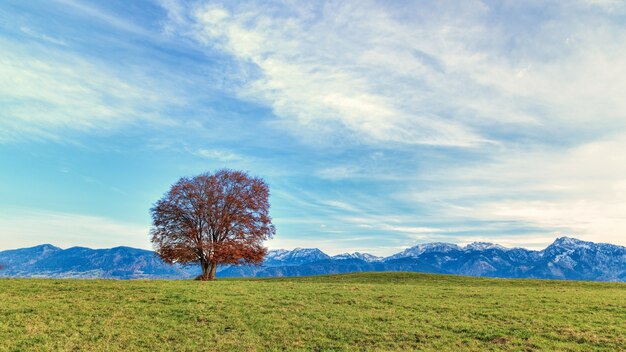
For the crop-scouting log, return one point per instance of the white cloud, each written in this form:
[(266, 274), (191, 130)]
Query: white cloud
[(322, 73), (220, 155), (608, 5), (48, 93), (97, 13), (579, 191), (341, 172), (45, 37), (28, 227), (591, 220), (339, 205), (404, 226), (426, 73)]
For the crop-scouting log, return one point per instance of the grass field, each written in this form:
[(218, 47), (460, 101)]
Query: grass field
[(381, 311)]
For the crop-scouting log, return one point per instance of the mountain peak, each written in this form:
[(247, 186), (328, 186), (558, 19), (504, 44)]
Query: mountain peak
[(42, 248), (358, 255), (419, 249), (570, 242), (45, 246), (481, 246), (295, 256), (297, 252), (300, 249)]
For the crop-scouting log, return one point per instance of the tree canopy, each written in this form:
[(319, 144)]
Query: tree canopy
[(211, 219)]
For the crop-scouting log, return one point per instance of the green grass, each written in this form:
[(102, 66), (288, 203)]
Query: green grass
[(378, 311)]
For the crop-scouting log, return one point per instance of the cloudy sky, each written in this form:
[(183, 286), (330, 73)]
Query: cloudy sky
[(378, 125)]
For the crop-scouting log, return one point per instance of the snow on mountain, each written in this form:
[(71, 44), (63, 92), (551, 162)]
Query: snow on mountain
[(358, 255), (294, 257), (570, 243), (420, 249), (276, 254), (570, 258), (481, 246)]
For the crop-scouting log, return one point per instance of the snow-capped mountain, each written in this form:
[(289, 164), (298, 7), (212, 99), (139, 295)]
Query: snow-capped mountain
[(297, 256), (481, 246), (420, 249), (358, 255), (580, 260), (276, 254), (566, 258)]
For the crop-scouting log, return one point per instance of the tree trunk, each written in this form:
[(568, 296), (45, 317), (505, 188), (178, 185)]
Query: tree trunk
[(204, 264), (209, 269), (212, 271)]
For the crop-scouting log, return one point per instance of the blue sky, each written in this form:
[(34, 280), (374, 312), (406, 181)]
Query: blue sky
[(378, 125)]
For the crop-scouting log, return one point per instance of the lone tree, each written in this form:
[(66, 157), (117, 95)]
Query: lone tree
[(212, 219)]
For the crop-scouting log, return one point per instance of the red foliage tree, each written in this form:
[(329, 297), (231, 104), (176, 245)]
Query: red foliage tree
[(211, 219)]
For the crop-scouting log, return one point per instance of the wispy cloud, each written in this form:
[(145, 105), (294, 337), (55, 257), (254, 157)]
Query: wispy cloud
[(29, 227), (445, 75), (340, 205), (368, 74), (579, 190), (319, 68), (95, 12), (47, 92), (220, 155), (42, 36), (341, 172)]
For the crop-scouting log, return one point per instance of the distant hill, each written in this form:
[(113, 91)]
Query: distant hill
[(79, 262), (566, 258)]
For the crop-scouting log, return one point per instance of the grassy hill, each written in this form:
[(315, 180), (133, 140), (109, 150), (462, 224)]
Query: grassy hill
[(377, 311)]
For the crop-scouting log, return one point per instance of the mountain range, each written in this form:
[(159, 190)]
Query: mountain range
[(80, 262), (566, 258)]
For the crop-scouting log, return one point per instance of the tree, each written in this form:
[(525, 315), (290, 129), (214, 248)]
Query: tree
[(212, 219)]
